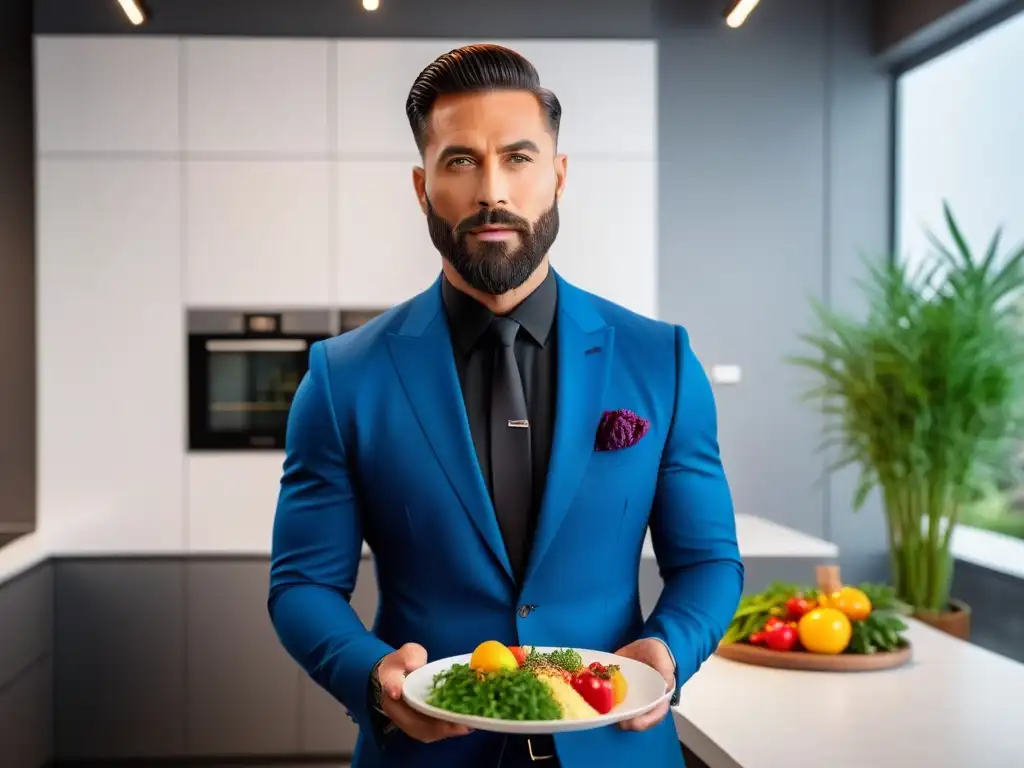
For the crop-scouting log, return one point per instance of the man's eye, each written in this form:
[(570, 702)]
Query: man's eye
[(519, 158), (460, 161)]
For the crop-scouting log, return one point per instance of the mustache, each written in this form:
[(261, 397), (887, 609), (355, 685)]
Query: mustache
[(489, 217)]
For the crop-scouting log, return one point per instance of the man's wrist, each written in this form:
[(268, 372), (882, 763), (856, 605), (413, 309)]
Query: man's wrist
[(376, 691), (382, 724), (668, 650), (675, 668)]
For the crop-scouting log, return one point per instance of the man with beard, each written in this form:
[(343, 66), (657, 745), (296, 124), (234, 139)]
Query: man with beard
[(502, 442)]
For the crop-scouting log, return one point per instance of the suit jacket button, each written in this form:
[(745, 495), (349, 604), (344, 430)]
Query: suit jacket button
[(525, 610)]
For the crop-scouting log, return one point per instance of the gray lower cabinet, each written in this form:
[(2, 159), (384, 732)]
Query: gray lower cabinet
[(242, 687), (167, 658), (119, 658), (26, 669), (26, 603), (245, 695), (26, 717)]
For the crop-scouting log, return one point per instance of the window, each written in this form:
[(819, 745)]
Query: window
[(961, 138)]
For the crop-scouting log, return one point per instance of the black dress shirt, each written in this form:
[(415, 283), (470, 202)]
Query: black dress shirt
[(468, 321)]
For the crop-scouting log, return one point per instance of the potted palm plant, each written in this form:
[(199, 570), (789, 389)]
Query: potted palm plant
[(922, 394)]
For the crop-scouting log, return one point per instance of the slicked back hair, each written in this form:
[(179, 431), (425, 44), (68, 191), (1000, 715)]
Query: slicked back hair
[(476, 68)]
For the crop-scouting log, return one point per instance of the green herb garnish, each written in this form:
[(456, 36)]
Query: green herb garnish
[(510, 694), (563, 658)]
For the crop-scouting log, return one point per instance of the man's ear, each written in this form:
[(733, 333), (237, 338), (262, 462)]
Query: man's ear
[(419, 183), (561, 169)]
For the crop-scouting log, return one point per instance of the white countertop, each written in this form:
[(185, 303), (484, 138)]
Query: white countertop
[(951, 706), (21, 555), (758, 537)]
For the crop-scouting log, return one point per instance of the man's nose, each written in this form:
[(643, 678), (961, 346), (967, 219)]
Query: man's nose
[(493, 187)]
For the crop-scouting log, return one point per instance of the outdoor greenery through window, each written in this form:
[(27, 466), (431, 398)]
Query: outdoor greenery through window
[(960, 122)]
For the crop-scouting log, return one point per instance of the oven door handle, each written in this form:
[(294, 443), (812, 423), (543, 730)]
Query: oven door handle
[(257, 345)]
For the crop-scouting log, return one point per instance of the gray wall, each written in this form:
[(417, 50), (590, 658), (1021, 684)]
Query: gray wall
[(17, 272), (774, 145)]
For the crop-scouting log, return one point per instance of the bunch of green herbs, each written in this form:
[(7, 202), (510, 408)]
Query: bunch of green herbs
[(508, 694)]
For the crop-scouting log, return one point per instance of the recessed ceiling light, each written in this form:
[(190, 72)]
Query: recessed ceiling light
[(133, 10), (371, 5), (738, 11)]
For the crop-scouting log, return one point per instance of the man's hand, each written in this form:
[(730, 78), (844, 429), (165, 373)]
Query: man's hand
[(653, 653), (392, 671)]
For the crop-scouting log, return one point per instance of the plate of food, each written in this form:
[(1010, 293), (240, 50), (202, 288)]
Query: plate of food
[(534, 690)]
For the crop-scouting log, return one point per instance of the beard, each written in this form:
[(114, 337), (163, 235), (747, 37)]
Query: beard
[(492, 267)]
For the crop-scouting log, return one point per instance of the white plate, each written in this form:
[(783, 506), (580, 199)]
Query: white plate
[(646, 689)]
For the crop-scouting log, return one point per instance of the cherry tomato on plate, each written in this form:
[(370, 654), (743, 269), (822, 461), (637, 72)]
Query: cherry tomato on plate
[(597, 692)]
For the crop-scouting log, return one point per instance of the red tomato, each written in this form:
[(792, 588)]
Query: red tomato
[(598, 693), (797, 607), (519, 653), (781, 638)]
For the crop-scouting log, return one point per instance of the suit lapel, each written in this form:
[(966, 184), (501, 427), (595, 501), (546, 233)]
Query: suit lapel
[(584, 359), (422, 354)]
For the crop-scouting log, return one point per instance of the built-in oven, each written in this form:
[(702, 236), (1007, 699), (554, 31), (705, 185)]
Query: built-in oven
[(243, 370)]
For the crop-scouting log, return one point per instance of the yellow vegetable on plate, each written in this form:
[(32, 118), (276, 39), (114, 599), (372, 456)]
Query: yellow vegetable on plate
[(492, 656)]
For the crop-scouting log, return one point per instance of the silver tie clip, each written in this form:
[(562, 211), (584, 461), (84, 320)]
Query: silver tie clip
[(519, 423)]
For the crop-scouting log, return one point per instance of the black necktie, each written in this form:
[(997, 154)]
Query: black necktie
[(511, 468)]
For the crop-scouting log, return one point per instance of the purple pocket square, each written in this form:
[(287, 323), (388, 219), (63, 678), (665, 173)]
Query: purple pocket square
[(620, 429)]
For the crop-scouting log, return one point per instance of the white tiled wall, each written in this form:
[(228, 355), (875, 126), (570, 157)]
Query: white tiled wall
[(215, 172)]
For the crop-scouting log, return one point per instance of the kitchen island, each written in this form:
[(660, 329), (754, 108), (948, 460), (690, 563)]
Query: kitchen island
[(952, 706)]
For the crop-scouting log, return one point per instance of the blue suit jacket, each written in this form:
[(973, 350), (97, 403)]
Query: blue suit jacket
[(379, 448)]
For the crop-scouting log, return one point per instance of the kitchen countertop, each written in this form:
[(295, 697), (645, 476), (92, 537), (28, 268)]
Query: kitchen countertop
[(22, 554), (950, 707), (758, 537)]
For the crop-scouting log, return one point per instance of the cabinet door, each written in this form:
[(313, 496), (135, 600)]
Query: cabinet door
[(119, 661), (107, 94), (373, 82), (26, 717), (242, 687), (384, 253), (257, 234), (607, 242), (256, 95), (326, 728), (111, 365), (232, 500)]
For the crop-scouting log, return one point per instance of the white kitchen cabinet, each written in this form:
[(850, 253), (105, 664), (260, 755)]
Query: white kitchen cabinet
[(256, 95), (607, 241), (384, 254), (257, 233), (111, 355), (107, 94), (232, 499)]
